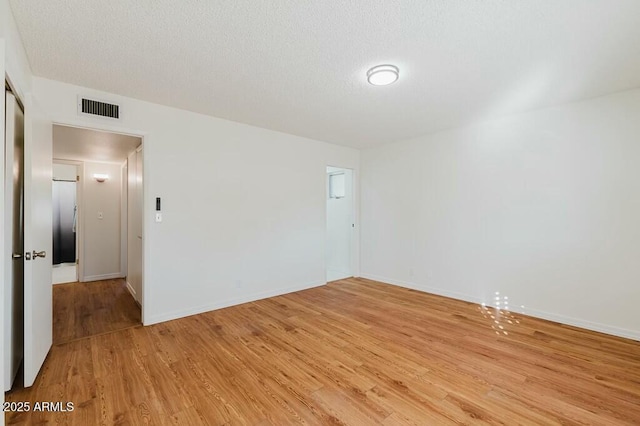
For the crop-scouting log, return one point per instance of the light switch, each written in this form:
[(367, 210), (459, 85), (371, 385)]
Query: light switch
[(100, 215), (158, 217)]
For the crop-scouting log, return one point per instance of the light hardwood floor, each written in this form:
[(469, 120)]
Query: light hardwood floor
[(88, 309), (353, 352)]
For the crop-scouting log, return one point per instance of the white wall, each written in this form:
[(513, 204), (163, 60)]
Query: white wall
[(65, 171), (339, 230), (542, 207), (243, 207), (101, 237), (16, 63)]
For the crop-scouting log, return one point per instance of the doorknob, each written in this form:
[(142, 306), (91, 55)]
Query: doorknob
[(39, 254)]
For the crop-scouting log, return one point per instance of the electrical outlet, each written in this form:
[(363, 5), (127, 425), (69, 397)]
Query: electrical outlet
[(100, 215)]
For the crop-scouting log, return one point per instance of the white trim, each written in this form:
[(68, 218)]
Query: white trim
[(425, 289), (102, 277), (333, 275), (131, 290), (124, 218), (588, 325), (65, 161), (2, 218), (229, 302), (80, 222), (549, 316), (145, 289), (109, 126)]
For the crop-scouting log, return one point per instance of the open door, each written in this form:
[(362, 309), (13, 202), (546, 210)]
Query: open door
[(38, 298), (14, 240)]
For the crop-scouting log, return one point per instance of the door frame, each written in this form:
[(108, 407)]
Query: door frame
[(6, 70), (143, 135), (354, 252), (80, 212), (2, 214), (8, 263)]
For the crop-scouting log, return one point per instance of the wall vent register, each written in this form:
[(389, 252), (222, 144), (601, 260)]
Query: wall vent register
[(98, 108)]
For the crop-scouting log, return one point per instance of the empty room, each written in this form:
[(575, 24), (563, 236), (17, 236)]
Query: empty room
[(359, 213)]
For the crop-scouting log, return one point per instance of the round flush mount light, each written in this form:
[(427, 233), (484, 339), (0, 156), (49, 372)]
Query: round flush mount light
[(383, 75)]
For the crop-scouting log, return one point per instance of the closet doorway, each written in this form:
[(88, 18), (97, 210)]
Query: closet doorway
[(340, 224)]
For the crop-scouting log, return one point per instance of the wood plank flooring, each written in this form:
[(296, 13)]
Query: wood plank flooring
[(353, 352), (92, 308)]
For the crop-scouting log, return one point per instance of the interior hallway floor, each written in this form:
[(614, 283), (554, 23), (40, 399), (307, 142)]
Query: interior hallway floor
[(353, 352), (92, 308)]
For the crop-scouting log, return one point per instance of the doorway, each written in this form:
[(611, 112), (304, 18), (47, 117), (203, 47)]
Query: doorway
[(65, 222), (96, 174), (340, 223)]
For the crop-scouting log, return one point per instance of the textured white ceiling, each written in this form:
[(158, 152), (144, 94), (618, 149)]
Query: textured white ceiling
[(298, 66), (72, 143)]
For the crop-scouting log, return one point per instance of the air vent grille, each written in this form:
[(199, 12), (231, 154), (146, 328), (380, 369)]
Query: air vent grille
[(103, 109)]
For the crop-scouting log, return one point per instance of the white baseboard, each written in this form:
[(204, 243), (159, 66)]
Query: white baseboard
[(425, 289), (102, 277), (563, 319), (588, 325), (131, 290), (154, 319), (333, 275)]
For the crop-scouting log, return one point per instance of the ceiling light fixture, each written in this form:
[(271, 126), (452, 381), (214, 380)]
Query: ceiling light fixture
[(383, 75)]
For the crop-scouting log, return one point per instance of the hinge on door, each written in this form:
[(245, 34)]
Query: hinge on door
[(77, 178)]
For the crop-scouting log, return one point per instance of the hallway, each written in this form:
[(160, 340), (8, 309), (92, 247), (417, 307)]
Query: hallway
[(89, 309)]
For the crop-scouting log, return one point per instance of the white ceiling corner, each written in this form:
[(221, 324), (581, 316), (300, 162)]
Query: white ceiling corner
[(299, 66)]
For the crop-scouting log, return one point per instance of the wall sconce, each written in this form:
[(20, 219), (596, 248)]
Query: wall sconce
[(100, 177)]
